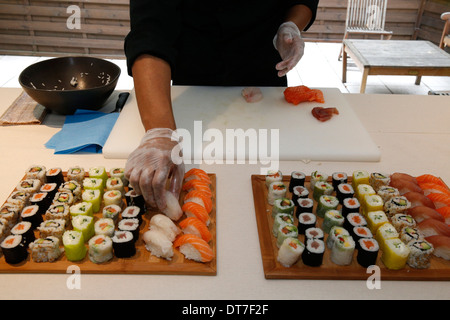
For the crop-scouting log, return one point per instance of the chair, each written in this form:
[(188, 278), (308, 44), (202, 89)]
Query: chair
[(366, 17), (445, 39)]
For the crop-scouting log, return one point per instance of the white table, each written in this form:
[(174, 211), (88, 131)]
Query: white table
[(412, 132)]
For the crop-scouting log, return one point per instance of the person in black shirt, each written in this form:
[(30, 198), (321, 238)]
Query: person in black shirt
[(208, 43)]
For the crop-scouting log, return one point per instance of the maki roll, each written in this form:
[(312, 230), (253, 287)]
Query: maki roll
[(322, 188), (50, 189), (123, 244), (19, 199), (395, 254), (396, 205), (93, 184), (36, 172), (58, 211), (362, 190), (45, 249), (93, 197), (360, 233), (99, 173), (332, 218), (420, 254), (29, 185), (304, 205), (119, 173), (31, 214), (360, 177), (384, 233), (334, 233), (299, 192), (24, 229), (286, 231), (372, 202), (325, 203), (131, 225), (115, 183), (367, 252), (64, 197), (112, 211), (399, 221), (273, 176), (342, 250), (54, 175), (42, 200), (344, 191), (408, 234), (81, 208), (76, 173), (313, 253), (104, 226), (113, 197), (74, 247), (297, 179), (134, 199), (354, 220), (306, 220), (72, 186), (10, 213), (54, 228), (375, 219), (132, 212), (277, 190), (378, 180), (14, 249), (387, 193), (283, 205), (338, 178), (281, 219), (100, 249), (290, 251), (85, 225), (314, 233), (317, 176)]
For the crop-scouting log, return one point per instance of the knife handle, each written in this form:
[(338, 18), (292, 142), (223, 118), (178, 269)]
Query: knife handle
[(121, 101)]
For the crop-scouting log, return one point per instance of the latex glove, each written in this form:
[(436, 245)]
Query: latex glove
[(150, 166), (290, 45)]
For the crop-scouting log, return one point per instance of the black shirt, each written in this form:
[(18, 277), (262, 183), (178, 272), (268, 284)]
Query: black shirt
[(211, 42)]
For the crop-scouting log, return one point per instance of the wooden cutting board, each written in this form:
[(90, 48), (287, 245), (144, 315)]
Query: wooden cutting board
[(300, 135)]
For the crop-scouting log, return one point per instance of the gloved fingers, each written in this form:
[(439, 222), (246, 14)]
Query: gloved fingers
[(146, 187), (159, 186), (133, 178), (177, 180)]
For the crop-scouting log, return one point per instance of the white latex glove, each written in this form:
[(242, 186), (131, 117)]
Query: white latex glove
[(150, 166), (290, 45)]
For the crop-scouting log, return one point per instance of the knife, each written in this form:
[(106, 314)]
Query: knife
[(121, 101)]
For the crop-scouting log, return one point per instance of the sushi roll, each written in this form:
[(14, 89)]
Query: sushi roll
[(372, 202), (273, 176), (290, 252), (84, 225), (360, 177), (277, 190), (362, 190), (343, 191), (100, 249), (378, 180), (399, 221), (325, 203), (194, 248), (105, 227), (58, 211), (297, 179), (76, 173), (42, 200), (99, 173), (368, 249), (50, 189), (350, 205), (74, 247), (64, 197), (408, 234), (322, 188), (360, 233), (36, 172), (286, 231), (281, 219), (132, 212), (157, 242), (93, 184), (313, 253), (334, 233), (10, 213), (168, 227), (394, 254), (314, 233), (283, 205), (375, 219), (387, 193), (332, 218), (342, 250), (54, 228), (338, 178), (24, 229), (299, 192), (115, 183), (72, 186), (420, 254), (306, 220), (113, 197), (317, 176), (131, 225), (14, 249), (93, 197), (29, 185), (112, 212), (45, 249), (196, 227), (82, 208), (386, 232), (119, 173), (134, 199), (354, 220), (19, 199), (396, 205), (54, 175), (123, 244), (304, 205), (31, 214)]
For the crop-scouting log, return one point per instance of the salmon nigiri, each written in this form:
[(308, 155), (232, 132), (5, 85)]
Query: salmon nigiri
[(196, 227), (418, 199), (429, 178), (431, 227), (194, 248), (195, 184), (445, 213), (201, 198), (421, 213), (441, 246), (197, 174), (440, 200), (192, 209), (434, 188)]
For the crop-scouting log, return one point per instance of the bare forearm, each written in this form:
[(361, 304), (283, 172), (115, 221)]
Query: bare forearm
[(299, 14), (152, 77)]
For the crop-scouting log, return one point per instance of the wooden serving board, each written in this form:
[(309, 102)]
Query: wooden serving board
[(438, 270), (143, 262)]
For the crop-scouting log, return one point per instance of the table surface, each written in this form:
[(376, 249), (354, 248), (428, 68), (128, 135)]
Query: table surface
[(398, 53), (412, 132)]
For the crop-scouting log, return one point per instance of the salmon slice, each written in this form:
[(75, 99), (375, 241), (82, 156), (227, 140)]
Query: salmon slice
[(195, 184), (405, 186), (194, 248), (298, 94), (434, 188), (445, 213), (440, 200), (201, 198), (196, 227), (199, 174), (431, 227), (421, 213), (403, 176), (429, 178), (441, 246), (192, 209), (418, 199)]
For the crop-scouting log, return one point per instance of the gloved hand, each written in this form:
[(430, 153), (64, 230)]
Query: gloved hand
[(290, 45), (150, 166)]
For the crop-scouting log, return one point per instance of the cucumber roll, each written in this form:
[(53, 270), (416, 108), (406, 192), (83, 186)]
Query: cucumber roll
[(14, 249), (286, 231), (113, 197), (82, 208), (99, 173), (317, 176), (314, 233), (332, 218), (322, 188), (306, 220), (367, 252), (74, 247), (24, 229), (45, 249), (31, 214), (85, 225), (283, 205), (277, 190), (299, 192), (76, 173), (304, 205), (338, 178), (54, 175), (344, 191), (325, 203), (123, 244), (100, 249), (297, 179), (93, 184), (93, 197), (342, 250), (313, 253), (273, 176), (290, 252), (281, 219)]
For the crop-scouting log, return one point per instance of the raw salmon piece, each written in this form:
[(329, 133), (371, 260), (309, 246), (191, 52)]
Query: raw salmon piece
[(440, 200), (434, 188), (201, 198), (324, 114), (298, 94), (199, 174), (441, 246), (194, 248), (421, 213), (195, 226), (192, 209), (445, 213), (195, 184), (405, 186), (429, 178), (418, 199), (403, 176)]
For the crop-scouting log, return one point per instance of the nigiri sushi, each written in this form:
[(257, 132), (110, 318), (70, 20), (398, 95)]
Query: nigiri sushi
[(403, 176), (441, 246), (434, 188), (197, 174), (192, 209), (418, 199), (194, 248), (405, 186), (431, 227), (445, 213), (196, 227), (195, 184), (429, 178), (158, 244), (172, 209), (199, 197), (440, 200), (165, 224), (421, 213)]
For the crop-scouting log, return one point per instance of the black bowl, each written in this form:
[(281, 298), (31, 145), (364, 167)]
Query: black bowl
[(66, 84)]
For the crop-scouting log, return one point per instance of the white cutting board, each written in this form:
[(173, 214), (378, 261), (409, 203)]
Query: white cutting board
[(300, 135)]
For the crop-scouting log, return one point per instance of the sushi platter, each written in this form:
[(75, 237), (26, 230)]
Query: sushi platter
[(142, 258), (293, 247)]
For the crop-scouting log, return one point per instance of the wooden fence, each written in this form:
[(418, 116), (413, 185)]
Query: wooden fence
[(46, 27)]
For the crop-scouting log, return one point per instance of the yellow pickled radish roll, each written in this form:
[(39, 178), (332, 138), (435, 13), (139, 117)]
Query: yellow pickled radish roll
[(376, 219), (395, 254), (360, 177), (362, 190), (372, 202), (385, 232)]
